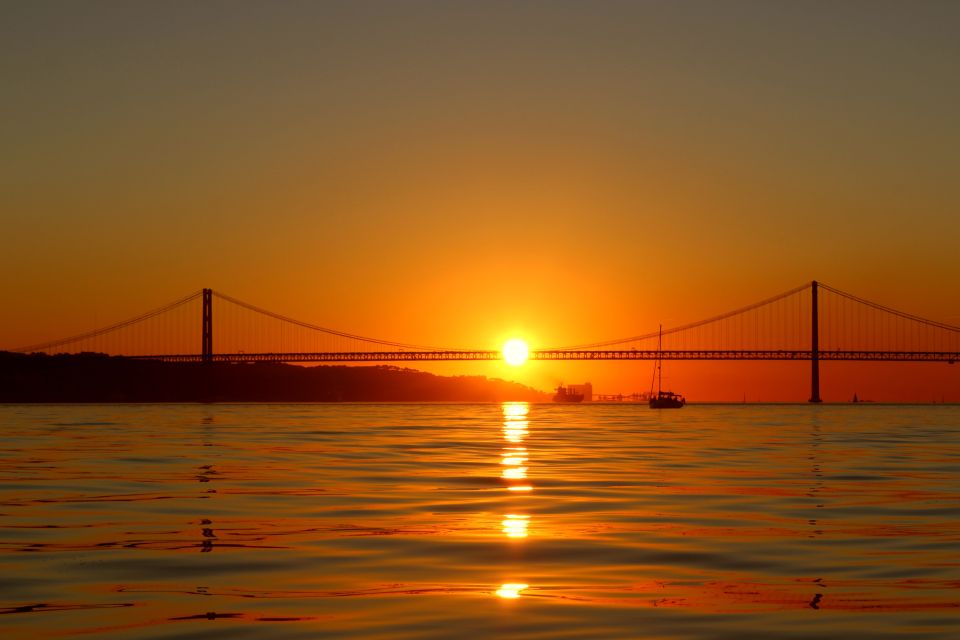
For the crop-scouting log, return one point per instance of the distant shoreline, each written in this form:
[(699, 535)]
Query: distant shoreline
[(92, 378)]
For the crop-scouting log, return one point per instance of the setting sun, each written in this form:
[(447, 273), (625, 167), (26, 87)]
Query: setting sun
[(515, 352)]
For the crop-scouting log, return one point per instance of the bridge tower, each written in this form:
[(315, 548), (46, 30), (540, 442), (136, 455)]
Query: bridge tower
[(814, 346), (206, 334)]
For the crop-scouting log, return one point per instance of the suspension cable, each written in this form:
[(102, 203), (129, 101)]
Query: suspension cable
[(901, 314), (692, 325), (43, 346), (314, 327)]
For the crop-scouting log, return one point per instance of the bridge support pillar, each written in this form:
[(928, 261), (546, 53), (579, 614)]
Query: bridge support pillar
[(206, 334), (814, 346)]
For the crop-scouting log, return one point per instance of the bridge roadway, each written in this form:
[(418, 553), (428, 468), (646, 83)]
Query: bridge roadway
[(630, 354)]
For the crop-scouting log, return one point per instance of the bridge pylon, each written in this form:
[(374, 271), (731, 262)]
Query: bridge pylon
[(206, 333), (814, 346)]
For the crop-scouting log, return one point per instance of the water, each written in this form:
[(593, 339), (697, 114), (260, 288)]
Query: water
[(515, 521)]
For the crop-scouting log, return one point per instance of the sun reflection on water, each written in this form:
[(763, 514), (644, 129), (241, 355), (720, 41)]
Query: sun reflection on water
[(514, 459), (514, 473), (511, 590), (516, 409), (515, 434), (515, 431), (515, 423), (516, 526)]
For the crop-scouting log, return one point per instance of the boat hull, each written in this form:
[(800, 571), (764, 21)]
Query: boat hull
[(667, 400), (666, 404)]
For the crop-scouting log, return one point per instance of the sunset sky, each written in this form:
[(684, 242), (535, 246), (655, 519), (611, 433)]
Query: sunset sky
[(458, 173)]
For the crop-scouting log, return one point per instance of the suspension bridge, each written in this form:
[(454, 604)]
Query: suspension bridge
[(813, 322)]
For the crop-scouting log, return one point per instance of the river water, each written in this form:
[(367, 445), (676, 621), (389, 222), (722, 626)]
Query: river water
[(509, 521)]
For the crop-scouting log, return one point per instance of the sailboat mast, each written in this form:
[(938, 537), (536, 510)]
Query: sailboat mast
[(660, 361)]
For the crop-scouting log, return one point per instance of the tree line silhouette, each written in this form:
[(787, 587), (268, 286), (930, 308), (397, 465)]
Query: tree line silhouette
[(95, 377)]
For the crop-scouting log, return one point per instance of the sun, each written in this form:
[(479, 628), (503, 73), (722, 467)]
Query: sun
[(515, 352)]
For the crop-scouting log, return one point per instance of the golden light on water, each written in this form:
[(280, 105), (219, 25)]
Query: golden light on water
[(515, 431), (514, 456), (515, 526), (514, 435), (515, 421), (515, 410), (515, 352), (513, 460), (514, 473), (514, 469), (511, 590)]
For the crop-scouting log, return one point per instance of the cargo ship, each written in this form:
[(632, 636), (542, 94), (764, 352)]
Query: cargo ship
[(565, 395)]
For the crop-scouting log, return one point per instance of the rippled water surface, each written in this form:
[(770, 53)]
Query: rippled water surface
[(515, 521)]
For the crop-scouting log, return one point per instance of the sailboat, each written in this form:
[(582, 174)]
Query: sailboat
[(663, 399)]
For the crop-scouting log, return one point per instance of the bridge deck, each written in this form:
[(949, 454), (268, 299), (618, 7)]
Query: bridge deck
[(630, 354)]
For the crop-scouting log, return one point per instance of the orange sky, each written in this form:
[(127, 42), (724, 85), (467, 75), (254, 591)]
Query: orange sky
[(455, 174)]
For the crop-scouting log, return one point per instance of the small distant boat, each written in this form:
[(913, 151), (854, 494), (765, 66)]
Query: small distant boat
[(663, 399), (565, 395)]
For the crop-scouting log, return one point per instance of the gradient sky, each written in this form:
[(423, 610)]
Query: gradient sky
[(453, 173)]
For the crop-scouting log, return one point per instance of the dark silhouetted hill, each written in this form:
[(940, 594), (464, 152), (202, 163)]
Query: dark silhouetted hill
[(91, 377)]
